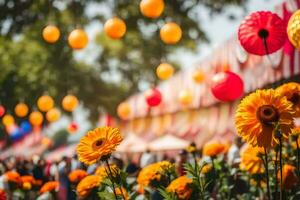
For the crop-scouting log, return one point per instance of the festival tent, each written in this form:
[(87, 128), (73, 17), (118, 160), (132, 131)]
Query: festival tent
[(133, 144), (168, 142)]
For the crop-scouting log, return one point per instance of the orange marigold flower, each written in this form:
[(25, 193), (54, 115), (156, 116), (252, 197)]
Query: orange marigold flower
[(98, 143), (77, 175), (292, 92), (289, 178), (251, 161), (121, 192), (28, 179), (213, 148), (153, 172), (37, 182), (103, 170), (87, 184), (12, 176), (258, 114), (27, 186), (49, 187), (2, 195), (180, 186)]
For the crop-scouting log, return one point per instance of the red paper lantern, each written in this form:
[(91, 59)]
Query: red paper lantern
[(2, 111), (153, 97), (262, 33), (73, 127), (227, 86)]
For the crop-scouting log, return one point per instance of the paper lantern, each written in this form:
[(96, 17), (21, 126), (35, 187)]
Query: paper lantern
[(16, 135), (78, 39), (123, 110), (227, 86), (115, 28), (2, 110), (46, 142), (73, 127), (53, 115), (25, 127), (164, 71), (51, 34), (262, 33), (45, 103), (170, 33), (21, 109), (185, 97), (36, 118), (69, 103), (198, 76), (11, 128), (293, 29), (8, 120), (152, 8), (153, 97)]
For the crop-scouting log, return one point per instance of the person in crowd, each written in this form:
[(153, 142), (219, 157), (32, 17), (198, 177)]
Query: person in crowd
[(147, 158), (233, 155), (181, 160)]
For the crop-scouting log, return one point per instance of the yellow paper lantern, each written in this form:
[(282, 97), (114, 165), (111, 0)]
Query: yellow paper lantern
[(124, 110), (198, 76), (115, 28), (46, 141), (152, 8), (45, 103), (185, 97), (51, 34), (21, 109), (8, 120), (164, 71), (36, 118), (170, 33), (293, 29), (69, 103), (78, 39), (53, 115)]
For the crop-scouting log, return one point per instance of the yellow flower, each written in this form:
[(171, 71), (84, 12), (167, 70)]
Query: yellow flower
[(153, 172), (103, 170), (257, 115), (180, 186), (77, 175), (250, 160), (206, 168), (292, 92), (122, 192), (98, 143), (213, 148), (27, 186), (289, 178), (191, 149), (49, 187), (87, 184)]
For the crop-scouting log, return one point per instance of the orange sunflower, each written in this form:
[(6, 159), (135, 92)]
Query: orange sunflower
[(2, 195), (250, 160), (180, 186), (13, 177), (49, 187), (103, 170), (292, 92), (87, 184), (77, 175), (259, 113), (98, 143), (289, 177), (213, 148), (121, 192)]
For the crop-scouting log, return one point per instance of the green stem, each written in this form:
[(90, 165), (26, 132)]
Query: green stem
[(280, 164), (276, 169), (111, 179), (298, 157), (267, 173)]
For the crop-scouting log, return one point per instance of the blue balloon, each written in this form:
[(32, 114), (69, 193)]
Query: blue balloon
[(25, 127), (16, 134)]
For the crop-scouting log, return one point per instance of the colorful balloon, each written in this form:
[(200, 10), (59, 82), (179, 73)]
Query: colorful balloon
[(8, 120), (53, 115), (198, 76), (21, 109), (152, 8), (164, 71), (115, 28), (45, 103), (25, 127), (78, 39), (2, 110), (153, 97), (170, 33), (36, 118), (227, 86), (124, 110), (69, 103), (185, 97), (51, 34)]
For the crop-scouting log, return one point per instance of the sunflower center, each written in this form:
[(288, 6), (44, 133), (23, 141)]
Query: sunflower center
[(295, 98), (263, 33), (267, 114), (97, 144)]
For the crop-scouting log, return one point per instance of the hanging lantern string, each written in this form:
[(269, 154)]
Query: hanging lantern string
[(264, 34)]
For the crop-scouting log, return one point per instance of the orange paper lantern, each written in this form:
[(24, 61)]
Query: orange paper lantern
[(164, 71), (123, 110), (198, 76), (21, 109), (69, 103), (73, 127), (78, 39), (36, 118), (45, 103), (8, 120), (185, 97), (53, 115), (51, 34), (170, 33), (152, 8), (115, 28)]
